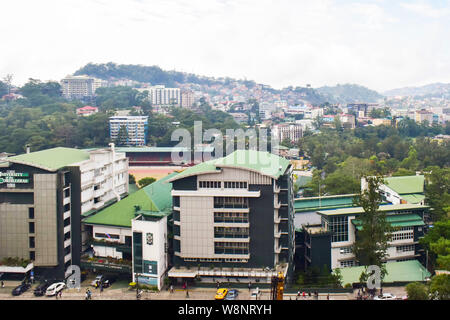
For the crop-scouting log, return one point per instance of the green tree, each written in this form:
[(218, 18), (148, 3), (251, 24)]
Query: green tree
[(440, 287), (417, 291), (131, 179), (122, 137), (145, 181), (437, 192), (371, 244)]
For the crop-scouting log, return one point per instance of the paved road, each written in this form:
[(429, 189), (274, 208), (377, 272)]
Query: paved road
[(126, 294)]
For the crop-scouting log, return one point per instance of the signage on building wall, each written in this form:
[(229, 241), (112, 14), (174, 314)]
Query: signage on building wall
[(149, 238), (12, 177)]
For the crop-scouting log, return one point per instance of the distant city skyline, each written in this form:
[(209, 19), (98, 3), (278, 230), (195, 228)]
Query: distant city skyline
[(374, 43)]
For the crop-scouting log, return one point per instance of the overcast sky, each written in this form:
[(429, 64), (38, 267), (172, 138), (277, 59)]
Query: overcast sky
[(377, 43)]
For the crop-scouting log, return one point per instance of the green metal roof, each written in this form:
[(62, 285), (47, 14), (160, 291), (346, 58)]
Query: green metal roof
[(404, 271), (399, 220), (328, 202), (262, 162), (406, 184), (154, 198), (51, 159), (413, 198), (359, 210)]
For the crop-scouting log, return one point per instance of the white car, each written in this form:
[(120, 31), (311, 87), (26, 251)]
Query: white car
[(385, 296), (55, 288)]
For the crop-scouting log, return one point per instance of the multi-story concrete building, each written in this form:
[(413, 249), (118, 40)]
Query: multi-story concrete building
[(187, 99), (339, 229), (131, 236), (162, 96), (43, 196), (423, 115), (136, 129), (80, 87), (288, 131), (237, 213)]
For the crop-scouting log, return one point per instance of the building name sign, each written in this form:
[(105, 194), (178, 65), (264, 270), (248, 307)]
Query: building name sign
[(14, 177)]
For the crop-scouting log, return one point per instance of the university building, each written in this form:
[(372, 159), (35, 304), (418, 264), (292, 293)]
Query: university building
[(234, 219), (43, 196)]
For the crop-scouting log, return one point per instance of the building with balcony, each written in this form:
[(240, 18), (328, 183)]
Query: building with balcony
[(43, 196), (136, 130), (234, 212)]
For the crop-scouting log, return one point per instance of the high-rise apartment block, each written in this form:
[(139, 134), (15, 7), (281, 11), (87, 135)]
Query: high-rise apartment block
[(79, 87), (135, 130)]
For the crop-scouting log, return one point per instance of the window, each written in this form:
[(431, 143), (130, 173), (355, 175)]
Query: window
[(338, 226), (230, 202), (347, 263), (235, 184), (31, 227), (404, 233), (32, 255), (406, 248), (231, 247), (30, 213), (231, 217), (345, 250), (210, 184), (31, 242), (231, 232)]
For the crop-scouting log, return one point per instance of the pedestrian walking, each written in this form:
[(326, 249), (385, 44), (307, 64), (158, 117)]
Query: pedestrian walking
[(101, 287), (3, 284), (187, 293), (218, 285), (60, 294), (304, 295), (249, 286), (171, 288), (328, 296)]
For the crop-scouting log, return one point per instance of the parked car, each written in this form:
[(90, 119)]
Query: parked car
[(385, 296), (108, 281), (55, 288), (98, 279), (232, 294), (221, 293), (17, 291), (41, 289)]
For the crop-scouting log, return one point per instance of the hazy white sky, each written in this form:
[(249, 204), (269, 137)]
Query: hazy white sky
[(377, 43)]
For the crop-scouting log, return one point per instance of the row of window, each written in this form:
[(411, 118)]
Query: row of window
[(406, 248), (230, 202), (231, 217), (221, 232), (402, 236), (226, 184), (347, 263)]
